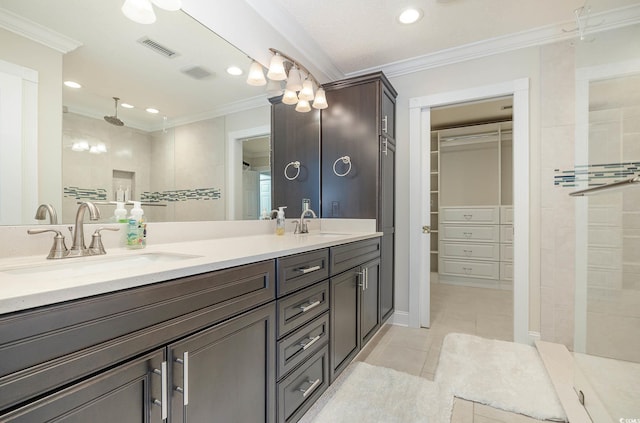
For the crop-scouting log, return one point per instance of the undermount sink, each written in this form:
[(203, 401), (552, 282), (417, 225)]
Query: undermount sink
[(79, 267)]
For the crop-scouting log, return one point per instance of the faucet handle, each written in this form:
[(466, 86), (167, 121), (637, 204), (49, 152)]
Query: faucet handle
[(58, 249), (297, 229), (96, 246)]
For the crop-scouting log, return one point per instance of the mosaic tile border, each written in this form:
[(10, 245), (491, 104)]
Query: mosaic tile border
[(93, 194), (181, 195), (595, 174)]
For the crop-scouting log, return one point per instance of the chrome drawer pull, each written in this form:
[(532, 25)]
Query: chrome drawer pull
[(468, 252), (164, 394), (309, 306), (310, 389), (308, 269), (468, 216), (467, 270), (467, 234), (185, 372), (310, 342)]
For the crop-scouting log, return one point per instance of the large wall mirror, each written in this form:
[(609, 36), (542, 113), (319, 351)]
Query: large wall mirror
[(188, 161)]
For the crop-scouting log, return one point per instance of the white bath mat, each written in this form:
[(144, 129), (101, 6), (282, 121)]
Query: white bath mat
[(366, 393), (500, 374)]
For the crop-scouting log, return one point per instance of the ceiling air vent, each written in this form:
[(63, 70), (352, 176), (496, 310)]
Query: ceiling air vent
[(196, 72), (157, 47)]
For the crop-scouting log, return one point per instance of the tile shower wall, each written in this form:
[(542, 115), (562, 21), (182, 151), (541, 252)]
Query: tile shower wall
[(557, 219)]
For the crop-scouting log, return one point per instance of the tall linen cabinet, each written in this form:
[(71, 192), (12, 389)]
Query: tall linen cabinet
[(358, 164)]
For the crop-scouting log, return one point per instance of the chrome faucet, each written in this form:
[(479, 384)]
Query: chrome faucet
[(41, 213), (78, 248), (303, 229)]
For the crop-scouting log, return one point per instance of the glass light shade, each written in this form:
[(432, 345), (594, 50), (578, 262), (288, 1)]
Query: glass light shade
[(307, 91), (320, 101), (139, 11), (276, 69), (303, 106), (274, 88), (294, 82), (289, 97), (171, 5), (256, 75)]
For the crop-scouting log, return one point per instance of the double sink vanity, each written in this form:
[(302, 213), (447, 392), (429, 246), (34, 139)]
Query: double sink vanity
[(246, 329)]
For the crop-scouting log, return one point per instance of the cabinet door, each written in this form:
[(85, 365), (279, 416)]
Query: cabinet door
[(124, 394), (345, 319), (387, 256), (226, 373), (388, 118), (295, 137), (387, 184), (369, 315), (350, 128)]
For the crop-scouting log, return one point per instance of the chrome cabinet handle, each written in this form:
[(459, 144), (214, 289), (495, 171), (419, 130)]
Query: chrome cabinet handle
[(468, 252), (366, 278), (467, 234), (467, 270), (309, 306), (385, 144), (162, 403), (310, 389), (468, 216), (184, 390), (385, 121), (362, 282), (308, 269), (310, 342)]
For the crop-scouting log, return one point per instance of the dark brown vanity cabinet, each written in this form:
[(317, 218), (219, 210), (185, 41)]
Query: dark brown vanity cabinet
[(179, 348), (360, 124), (354, 298), (295, 146)]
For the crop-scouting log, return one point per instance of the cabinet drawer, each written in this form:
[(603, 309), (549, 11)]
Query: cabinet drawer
[(298, 391), (470, 233), (506, 233), (475, 251), (506, 215), (347, 256), (506, 271), (506, 252), (301, 270), (470, 215), (475, 269), (301, 307), (298, 346)]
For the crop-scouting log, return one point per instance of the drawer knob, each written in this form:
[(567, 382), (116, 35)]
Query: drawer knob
[(310, 342), (308, 307), (310, 389)]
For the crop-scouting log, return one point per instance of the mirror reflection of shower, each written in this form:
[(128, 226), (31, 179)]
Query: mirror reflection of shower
[(256, 177)]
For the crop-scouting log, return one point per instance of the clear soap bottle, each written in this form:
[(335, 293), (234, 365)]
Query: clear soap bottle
[(280, 221)]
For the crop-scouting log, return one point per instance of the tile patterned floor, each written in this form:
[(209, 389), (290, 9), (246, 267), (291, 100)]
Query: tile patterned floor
[(477, 311)]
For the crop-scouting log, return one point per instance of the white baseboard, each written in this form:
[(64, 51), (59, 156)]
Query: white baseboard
[(399, 318)]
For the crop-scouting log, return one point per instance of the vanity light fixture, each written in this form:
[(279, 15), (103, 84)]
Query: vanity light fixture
[(234, 70), (141, 11), (152, 110), (72, 84), (300, 86), (409, 16)]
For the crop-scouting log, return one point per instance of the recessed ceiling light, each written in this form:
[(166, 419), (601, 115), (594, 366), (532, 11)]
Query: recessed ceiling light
[(152, 110), (126, 105), (72, 84), (409, 16), (234, 70)]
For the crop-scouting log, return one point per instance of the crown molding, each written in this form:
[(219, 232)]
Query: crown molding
[(36, 32), (612, 19)]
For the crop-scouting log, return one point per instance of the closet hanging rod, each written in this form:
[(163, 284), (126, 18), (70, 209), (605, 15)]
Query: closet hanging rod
[(607, 187), (474, 136)]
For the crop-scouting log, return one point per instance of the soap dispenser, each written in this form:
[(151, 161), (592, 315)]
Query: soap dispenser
[(280, 221), (136, 231), (120, 215)]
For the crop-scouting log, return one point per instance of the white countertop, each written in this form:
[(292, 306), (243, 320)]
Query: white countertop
[(27, 282)]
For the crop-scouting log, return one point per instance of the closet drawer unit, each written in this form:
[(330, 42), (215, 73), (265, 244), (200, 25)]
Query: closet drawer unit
[(299, 345), (506, 271), (506, 215), (474, 251), (484, 215), (506, 252), (301, 270), (475, 269), (298, 391), (297, 309), (470, 233), (506, 233)]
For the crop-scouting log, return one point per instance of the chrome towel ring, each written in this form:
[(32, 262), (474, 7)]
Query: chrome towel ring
[(346, 160), (296, 165)]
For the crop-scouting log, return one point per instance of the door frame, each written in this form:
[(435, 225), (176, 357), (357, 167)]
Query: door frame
[(419, 203)]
